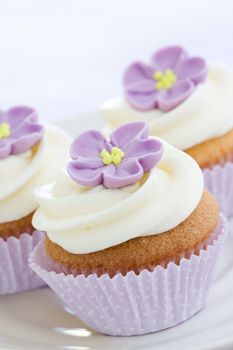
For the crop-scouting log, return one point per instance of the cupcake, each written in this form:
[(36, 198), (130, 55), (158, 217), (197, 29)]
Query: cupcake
[(132, 235), (188, 103), (30, 155)]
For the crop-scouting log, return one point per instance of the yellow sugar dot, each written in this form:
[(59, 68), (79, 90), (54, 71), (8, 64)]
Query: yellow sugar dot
[(115, 150), (107, 159), (158, 75), (116, 159), (166, 80), (171, 75), (169, 72), (159, 85), (121, 153), (4, 130), (166, 83), (103, 153), (173, 79)]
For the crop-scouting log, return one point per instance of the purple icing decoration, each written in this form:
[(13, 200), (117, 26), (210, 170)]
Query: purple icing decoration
[(140, 86), (25, 131), (141, 154)]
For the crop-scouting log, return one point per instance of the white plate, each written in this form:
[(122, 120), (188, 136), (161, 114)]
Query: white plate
[(37, 319)]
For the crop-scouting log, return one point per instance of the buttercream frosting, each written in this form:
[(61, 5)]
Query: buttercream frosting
[(21, 173), (88, 219), (206, 114)]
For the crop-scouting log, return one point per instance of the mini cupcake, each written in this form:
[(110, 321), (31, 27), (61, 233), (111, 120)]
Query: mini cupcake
[(132, 236), (187, 103), (30, 155)]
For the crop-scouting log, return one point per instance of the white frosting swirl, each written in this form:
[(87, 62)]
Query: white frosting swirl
[(20, 174), (206, 114), (83, 220)]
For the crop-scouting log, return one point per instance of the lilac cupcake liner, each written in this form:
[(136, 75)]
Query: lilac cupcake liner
[(135, 304), (219, 181), (15, 273)]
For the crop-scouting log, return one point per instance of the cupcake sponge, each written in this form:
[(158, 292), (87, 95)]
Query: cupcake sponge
[(148, 251), (17, 227), (215, 151)]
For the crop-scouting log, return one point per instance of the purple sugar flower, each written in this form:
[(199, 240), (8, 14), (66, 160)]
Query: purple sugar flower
[(19, 131), (116, 162), (164, 84)]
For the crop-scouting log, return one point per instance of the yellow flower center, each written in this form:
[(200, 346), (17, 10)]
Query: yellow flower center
[(164, 80), (115, 157), (4, 130)]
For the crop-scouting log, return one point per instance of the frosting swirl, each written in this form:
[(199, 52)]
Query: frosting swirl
[(206, 114), (88, 219), (20, 173)]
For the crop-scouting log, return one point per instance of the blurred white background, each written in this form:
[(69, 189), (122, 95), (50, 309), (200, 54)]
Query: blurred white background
[(65, 57)]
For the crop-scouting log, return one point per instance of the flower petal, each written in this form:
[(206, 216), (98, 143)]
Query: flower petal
[(143, 86), (89, 145), (169, 99), (5, 148), (137, 72), (192, 68), (124, 134), (86, 177), (25, 131), (127, 173), (25, 142), (142, 101), (168, 57), (26, 128), (90, 163), (133, 139), (147, 152), (17, 115)]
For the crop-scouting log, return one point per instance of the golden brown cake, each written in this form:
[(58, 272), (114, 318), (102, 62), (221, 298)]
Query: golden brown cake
[(214, 151), (17, 227), (146, 252)]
